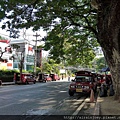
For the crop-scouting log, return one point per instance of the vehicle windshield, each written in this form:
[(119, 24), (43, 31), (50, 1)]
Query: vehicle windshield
[(83, 79), (46, 76)]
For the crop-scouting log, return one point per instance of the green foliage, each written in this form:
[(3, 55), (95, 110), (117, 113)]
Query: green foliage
[(38, 70), (7, 72), (7, 75), (71, 26), (99, 63), (2, 38), (47, 68), (50, 66), (24, 71), (7, 78)]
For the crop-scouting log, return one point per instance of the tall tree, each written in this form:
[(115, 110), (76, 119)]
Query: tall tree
[(99, 63), (70, 47), (66, 22), (74, 20), (109, 37)]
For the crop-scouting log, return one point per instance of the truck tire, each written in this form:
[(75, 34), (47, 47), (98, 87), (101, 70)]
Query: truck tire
[(34, 82), (71, 93), (26, 82), (45, 81)]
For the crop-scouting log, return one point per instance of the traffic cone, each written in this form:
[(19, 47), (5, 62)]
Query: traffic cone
[(92, 98)]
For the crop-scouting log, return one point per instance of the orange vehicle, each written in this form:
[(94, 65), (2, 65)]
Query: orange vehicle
[(83, 83), (42, 77), (47, 77), (26, 78), (54, 77)]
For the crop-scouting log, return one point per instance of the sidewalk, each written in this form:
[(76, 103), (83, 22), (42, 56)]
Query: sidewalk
[(107, 106), (7, 83), (101, 106)]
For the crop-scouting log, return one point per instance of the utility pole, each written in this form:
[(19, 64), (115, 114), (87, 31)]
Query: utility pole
[(35, 58), (41, 59), (21, 64)]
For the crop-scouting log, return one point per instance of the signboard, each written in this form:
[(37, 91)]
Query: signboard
[(62, 71), (3, 66)]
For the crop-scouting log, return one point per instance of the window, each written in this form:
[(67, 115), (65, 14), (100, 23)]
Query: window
[(83, 79)]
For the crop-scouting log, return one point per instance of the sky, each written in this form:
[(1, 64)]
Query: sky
[(24, 33), (27, 34)]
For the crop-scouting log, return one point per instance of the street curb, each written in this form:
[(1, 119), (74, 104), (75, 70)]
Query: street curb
[(97, 109), (8, 83)]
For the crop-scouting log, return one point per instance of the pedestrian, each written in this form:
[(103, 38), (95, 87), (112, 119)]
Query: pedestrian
[(68, 78), (103, 90), (108, 81), (62, 76)]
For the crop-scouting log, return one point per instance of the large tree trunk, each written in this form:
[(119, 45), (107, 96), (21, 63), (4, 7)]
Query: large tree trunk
[(109, 38)]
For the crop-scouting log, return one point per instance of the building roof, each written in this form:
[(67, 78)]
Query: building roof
[(15, 41), (5, 41)]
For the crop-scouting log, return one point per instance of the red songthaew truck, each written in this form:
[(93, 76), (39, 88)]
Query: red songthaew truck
[(54, 77), (83, 83)]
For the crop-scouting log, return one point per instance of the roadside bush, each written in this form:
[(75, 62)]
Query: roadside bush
[(7, 78), (7, 75)]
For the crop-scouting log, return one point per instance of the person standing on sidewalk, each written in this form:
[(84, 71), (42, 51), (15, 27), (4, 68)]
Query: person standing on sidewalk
[(69, 78), (62, 76)]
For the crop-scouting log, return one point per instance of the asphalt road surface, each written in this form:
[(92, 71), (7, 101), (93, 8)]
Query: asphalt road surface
[(49, 98)]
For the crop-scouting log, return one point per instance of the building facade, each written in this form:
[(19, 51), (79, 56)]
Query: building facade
[(5, 52), (24, 51)]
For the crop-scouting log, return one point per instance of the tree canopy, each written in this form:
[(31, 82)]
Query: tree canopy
[(71, 26)]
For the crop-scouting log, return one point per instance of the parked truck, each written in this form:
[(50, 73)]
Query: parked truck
[(54, 77), (83, 83), (43, 77)]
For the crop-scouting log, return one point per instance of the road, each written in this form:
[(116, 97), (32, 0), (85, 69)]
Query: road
[(49, 98)]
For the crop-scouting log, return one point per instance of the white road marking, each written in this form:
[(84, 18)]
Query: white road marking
[(79, 108)]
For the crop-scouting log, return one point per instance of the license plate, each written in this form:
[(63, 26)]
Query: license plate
[(78, 90)]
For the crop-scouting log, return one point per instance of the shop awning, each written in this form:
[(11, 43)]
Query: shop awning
[(105, 69)]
